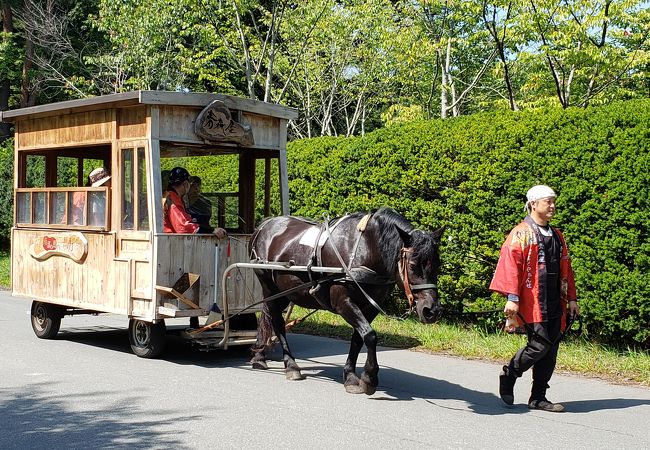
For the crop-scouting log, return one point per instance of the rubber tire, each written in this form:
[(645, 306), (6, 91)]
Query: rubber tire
[(147, 339), (46, 319)]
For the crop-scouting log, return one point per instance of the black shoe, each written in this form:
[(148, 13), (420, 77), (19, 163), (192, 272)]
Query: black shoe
[(506, 384), (545, 405)]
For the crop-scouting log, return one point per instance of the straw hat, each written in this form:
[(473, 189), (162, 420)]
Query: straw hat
[(98, 177)]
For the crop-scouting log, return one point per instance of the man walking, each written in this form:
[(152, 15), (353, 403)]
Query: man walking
[(534, 273)]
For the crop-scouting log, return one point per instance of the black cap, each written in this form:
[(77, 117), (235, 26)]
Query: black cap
[(178, 175)]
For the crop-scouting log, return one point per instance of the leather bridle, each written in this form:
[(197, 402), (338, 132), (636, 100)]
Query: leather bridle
[(404, 275)]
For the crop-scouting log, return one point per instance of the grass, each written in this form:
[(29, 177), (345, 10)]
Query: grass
[(5, 269), (576, 354)]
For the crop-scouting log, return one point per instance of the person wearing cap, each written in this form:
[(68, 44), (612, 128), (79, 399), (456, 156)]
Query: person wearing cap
[(97, 177), (534, 274), (176, 219)]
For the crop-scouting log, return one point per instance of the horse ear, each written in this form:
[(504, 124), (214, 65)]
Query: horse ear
[(405, 236), (438, 233)]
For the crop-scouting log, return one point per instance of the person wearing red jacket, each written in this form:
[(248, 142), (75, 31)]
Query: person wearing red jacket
[(176, 219), (534, 273)]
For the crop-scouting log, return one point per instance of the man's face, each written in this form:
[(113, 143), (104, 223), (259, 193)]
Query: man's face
[(544, 207), (185, 187)]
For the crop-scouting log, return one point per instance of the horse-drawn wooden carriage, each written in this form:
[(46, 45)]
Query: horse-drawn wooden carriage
[(70, 259)]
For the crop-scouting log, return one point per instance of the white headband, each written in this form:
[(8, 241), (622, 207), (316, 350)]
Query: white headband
[(539, 192)]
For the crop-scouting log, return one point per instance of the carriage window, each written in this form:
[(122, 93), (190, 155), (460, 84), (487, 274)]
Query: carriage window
[(127, 189), (57, 207), (77, 206), (35, 171), (23, 207), (135, 213), (67, 172), (143, 210), (54, 191), (39, 212), (219, 185)]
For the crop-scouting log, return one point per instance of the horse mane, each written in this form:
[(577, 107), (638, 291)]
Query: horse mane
[(388, 219), (424, 246)]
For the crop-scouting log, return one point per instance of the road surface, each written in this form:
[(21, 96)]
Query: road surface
[(86, 390)]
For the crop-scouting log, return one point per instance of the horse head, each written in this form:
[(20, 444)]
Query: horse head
[(418, 268)]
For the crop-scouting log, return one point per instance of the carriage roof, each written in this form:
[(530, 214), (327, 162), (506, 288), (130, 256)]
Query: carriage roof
[(166, 98)]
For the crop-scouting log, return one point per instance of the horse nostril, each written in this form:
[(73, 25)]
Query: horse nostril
[(429, 314), (432, 313)]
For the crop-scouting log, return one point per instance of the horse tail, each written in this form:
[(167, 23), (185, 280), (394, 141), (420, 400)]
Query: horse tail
[(264, 331)]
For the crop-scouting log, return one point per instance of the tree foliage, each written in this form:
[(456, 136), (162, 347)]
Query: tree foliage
[(349, 67)]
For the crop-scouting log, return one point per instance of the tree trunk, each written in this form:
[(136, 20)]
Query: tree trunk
[(443, 87), (500, 42), (25, 92), (247, 56)]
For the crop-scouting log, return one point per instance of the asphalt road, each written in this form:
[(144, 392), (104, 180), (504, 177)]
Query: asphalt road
[(86, 390)]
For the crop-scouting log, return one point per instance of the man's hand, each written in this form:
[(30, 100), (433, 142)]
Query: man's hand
[(511, 309), (574, 309), (220, 233)]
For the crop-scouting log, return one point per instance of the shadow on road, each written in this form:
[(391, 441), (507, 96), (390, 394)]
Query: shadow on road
[(586, 406), (314, 355), (34, 418)]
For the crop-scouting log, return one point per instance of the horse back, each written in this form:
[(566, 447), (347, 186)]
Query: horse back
[(285, 238)]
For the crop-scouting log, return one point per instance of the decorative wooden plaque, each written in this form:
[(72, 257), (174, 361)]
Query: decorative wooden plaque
[(215, 124), (69, 245)]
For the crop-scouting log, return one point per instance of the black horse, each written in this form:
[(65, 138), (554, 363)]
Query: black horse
[(377, 250)]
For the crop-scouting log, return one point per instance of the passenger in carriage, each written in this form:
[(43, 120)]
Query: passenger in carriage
[(97, 207), (198, 206), (176, 219), (97, 214)]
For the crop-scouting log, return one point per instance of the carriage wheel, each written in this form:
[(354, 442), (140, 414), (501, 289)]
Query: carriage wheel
[(46, 319), (147, 339)]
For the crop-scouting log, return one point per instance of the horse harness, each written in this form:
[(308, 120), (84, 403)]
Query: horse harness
[(366, 275), (357, 275), (404, 274)]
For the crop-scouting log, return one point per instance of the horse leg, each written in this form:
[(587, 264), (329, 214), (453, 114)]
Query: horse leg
[(291, 368), (264, 335), (350, 379), (363, 332), (369, 378)]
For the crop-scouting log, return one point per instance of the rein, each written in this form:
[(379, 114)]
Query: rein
[(569, 323)]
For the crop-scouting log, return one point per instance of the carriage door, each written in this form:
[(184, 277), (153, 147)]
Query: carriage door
[(134, 238)]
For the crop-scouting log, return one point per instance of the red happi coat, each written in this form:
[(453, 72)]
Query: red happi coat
[(520, 272), (175, 217)]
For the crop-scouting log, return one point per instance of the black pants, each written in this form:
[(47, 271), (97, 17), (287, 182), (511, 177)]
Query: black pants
[(538, 354)]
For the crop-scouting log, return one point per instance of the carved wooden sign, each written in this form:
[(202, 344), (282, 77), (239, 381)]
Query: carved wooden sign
[(215, 124), (69, 245)]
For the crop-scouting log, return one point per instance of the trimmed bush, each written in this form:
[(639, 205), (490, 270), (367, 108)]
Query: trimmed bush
[(6, 191), (471, 175)]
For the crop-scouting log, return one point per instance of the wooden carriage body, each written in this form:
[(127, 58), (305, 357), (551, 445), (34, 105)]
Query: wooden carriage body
[(122, 262)]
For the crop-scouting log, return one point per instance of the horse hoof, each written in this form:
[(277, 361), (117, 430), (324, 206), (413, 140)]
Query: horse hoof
[(354, 389), (366, 388), (293, 375), (259, 364)]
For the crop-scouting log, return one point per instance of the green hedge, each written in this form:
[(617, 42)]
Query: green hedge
[(6, 191), (471, 175)]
